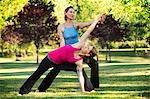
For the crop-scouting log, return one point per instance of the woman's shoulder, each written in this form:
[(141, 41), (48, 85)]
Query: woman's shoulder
[(76, 25), (61, 27)]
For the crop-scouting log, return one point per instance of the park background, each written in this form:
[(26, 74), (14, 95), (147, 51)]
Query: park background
[(28, 32)]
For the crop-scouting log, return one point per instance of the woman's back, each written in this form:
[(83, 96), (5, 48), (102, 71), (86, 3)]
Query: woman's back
[(64, 54)]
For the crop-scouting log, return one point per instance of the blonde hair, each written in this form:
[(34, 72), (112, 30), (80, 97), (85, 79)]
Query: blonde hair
[(88, 45)]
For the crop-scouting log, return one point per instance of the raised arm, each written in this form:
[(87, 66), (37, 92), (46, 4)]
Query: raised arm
[(80, 25), (89, 30), (87, 33)]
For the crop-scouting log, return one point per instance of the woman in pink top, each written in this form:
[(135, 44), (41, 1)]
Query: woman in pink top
[(70, 53)]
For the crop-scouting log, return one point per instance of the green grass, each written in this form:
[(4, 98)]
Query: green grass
[(127, 77)]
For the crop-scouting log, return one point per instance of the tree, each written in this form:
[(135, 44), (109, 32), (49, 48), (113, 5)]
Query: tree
[(8, 9), (60, 6), (36, 23), (148, 39), (137, 15), (12, 38), (109, 31)]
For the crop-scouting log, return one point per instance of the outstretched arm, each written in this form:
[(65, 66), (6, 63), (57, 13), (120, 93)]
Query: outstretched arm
[(87, 33), (80, 74), (81, 25), (89, 30)]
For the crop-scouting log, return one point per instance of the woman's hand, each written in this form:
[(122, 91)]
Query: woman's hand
[(101, 18)]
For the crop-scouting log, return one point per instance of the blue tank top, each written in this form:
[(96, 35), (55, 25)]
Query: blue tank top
[(70, 35)]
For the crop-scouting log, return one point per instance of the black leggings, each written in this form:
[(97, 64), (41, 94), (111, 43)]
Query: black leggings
[(43, 67), (93, 64)]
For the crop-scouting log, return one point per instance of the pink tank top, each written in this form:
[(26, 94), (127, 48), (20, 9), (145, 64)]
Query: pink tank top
[(64, 54)]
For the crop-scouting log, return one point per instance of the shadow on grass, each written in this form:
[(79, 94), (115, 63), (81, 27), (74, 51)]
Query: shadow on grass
[(127, 66), (8, 85), (121, 68), (121, 53), (124, 88), (121, 79), (17, 65), (16, 74), (13, 84), (145, 94), (104, 70), (112, 61), (67, 96)]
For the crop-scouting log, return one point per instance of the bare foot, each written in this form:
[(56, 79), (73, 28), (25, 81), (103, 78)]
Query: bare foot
[(92, 91)]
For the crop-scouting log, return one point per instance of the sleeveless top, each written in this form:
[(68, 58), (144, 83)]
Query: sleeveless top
[(64, 54), (70, 35)]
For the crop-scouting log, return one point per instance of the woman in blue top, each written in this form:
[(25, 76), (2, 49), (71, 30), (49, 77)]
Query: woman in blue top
[(68, 33)]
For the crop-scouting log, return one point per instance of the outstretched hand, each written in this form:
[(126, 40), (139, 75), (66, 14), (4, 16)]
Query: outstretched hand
[(101, 18)]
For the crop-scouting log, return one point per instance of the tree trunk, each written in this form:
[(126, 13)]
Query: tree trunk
[(2, 45), (26, 52), (16, 54), (37, 51), (109, 53), (2, 48), (106, 52), (106, 55), (135, 43), (37, 54)]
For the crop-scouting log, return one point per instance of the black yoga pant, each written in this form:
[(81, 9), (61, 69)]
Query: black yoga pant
[(54, 72), (93, 64), (43, 67)]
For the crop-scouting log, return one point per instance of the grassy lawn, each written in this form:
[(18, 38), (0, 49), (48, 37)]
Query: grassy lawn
[(127, 77)]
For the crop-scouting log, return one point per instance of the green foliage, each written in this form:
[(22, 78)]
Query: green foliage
[(60, 6), (116, 45), (8, 9), (138, 17), (130, 44), (132, 14), (36, 23)]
